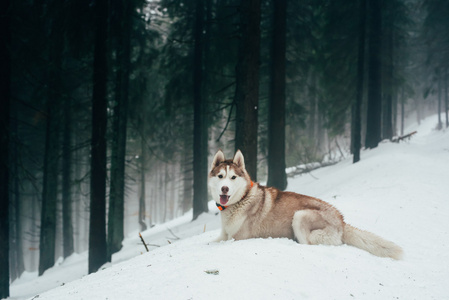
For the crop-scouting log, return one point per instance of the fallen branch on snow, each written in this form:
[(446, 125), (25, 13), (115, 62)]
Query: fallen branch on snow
[(143, 242), (400, 138), (307, 168)]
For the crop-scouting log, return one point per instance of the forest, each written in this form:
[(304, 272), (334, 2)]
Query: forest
[(112, 110)]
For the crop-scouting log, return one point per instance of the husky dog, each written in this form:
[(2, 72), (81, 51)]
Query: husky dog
[(250, 210)]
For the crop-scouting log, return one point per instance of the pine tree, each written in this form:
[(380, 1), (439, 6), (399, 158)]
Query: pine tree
[(54, 93), (67, 162), (356, 138), (97, 225), (247, 84), (124, 12), (199, 125), (373, 126), (5, 100), (276, 128)]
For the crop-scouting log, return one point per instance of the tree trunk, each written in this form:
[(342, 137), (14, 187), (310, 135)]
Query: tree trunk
[(143, 161), (97, 225), (17, 265), (50, 181), (402, 112), (395, 114), (445, 98), (118, 151), (165, 184), (49, 194), (440, 123), (79, 167), (373, 126), (247, 84), (389, 86), (5, 100), (357, 122), (67, 224), (276, 129), (187, 175), (200, 149)]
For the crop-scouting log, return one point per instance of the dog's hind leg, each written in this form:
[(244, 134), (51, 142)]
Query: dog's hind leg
[(301, 225), (310, 227)]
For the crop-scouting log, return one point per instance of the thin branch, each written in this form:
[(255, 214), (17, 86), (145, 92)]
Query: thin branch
[(143, 242), (227, 123), (174, 235)]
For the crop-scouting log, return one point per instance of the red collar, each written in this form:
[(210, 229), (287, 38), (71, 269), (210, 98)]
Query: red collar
[(222, 207)]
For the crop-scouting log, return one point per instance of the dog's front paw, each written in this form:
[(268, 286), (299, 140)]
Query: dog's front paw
[(220, 238)]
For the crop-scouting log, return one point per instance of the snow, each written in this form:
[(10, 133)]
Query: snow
[(398, 191)]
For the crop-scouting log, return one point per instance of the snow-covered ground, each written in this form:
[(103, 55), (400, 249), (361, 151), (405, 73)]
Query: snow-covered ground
[(398, 191)]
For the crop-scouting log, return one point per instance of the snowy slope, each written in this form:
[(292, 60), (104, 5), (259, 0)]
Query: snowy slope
[(398, 191)]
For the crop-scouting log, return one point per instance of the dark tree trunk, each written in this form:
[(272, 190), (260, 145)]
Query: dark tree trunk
[(118, 151), (165, 184), (200, 149), (440, 123), (402, 112), (445, 98), (276, 129), (247, 84), (50, 181), (395, 114), (5, 100), (17, 266), (187, 192), (143, 162), (97, 225), (373, 125), (67, 224), (49, 193), (357, 122), (389, 86)]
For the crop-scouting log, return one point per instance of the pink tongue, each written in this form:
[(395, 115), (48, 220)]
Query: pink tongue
[(224, 199)]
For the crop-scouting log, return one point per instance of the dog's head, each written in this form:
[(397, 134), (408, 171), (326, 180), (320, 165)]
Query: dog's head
[(228, 179)]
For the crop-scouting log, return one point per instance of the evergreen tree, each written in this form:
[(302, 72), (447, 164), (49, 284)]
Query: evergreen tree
[(97, 225), (373, 126), (356, 137), (67, 163), (247, 84), (47, 245), (435, 23), (5, 100), (199, 125), (276, 128), (124, 14)]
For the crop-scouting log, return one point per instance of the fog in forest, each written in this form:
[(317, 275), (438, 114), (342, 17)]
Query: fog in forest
[(111, 111)]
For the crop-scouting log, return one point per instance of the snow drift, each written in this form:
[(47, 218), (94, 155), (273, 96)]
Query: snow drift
[(398, 191)]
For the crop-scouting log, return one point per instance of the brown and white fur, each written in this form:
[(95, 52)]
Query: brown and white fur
[(256, 211)]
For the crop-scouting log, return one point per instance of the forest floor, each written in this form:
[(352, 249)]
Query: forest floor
[(399, 191)]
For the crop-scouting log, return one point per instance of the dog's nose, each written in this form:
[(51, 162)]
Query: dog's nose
[(224, 189)]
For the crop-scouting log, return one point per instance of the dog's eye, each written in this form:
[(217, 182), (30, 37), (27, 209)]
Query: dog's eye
[(220, 176), (233, 177)]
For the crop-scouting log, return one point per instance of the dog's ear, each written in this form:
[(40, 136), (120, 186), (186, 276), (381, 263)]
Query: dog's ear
[(239, 160), (218, 158)]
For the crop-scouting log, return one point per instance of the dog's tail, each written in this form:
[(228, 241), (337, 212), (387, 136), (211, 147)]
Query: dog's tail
[(370, 242)]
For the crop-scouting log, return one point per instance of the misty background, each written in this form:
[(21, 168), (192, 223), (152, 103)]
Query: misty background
[(112, 110)]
